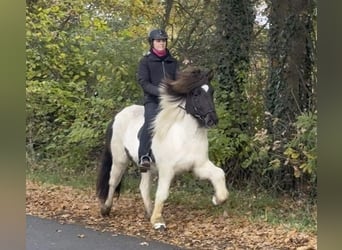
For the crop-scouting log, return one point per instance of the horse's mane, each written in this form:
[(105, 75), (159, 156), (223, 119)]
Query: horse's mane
[(187, 80), (173, 95)]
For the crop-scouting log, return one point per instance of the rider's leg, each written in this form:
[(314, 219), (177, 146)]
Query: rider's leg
[(151, 110)]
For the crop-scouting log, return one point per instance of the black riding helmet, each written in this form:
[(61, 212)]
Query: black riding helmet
[(156, 34)]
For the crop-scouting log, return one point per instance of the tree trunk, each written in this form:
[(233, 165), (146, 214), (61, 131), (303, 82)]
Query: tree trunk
[(290, 90), (235, 29)]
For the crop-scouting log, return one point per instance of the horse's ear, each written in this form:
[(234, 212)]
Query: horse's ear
[(210, 75)]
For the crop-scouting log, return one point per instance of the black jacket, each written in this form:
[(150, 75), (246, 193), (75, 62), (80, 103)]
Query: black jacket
[(152, 69)]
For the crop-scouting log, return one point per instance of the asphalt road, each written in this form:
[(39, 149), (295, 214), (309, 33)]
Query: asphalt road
[(45, 234)]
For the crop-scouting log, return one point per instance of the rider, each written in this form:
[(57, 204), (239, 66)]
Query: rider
[(157, 64)]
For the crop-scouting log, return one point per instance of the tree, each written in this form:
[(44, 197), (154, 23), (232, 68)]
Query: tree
[(291, 88), (235, 30), (191, 28), (234, 33), (291, 91)]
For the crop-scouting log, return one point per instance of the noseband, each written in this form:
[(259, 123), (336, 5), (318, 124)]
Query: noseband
[(201, 116), (197, 114)]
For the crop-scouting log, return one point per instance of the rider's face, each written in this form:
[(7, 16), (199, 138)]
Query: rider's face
[(159, 44)]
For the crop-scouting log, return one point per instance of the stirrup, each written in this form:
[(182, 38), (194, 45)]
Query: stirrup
[(145, 163)]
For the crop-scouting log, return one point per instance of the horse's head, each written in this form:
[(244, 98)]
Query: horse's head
[(200, 101), (194, 86)]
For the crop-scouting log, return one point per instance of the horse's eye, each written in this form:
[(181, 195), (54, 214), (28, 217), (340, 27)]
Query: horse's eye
[(197, 92)]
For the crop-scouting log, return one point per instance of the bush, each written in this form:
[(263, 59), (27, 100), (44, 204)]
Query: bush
[(265, 161), (73, 53), (63, 125), (301, 150)]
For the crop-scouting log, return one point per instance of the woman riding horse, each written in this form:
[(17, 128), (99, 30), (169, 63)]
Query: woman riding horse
[(179, 143)]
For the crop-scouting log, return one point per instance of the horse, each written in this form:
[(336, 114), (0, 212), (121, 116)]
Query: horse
[(179, 144)]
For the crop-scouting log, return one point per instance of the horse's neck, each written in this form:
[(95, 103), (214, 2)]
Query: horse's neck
[(173, 116)]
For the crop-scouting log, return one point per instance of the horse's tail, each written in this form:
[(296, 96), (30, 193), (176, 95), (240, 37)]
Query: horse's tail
[(102, 185)]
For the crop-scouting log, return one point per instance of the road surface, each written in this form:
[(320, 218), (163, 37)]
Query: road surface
[(45, 234)]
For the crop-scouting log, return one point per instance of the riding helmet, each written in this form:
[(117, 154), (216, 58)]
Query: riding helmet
[(156, 34)]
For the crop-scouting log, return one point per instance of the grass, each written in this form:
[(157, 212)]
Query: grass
[(297, 214), (57, 176), (293, 213)]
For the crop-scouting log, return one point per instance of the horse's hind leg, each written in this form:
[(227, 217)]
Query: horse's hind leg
[(216, 177), (145, 190), (118, 168)]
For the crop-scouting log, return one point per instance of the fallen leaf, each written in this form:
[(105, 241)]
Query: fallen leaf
[(144, 243)]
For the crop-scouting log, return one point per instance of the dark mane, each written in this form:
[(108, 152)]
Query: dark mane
[(187, 80)]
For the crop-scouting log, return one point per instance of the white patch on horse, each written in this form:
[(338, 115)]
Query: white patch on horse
[(205, 87)]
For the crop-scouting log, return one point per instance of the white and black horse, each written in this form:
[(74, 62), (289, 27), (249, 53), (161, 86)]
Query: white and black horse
[(179, 143)]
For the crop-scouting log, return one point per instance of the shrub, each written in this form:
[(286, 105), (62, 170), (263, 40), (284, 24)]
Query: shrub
[(265, 161)]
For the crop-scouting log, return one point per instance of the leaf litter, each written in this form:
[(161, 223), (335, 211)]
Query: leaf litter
[(186, 228)]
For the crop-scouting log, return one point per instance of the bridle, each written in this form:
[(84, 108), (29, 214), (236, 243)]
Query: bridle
[(197, 114)]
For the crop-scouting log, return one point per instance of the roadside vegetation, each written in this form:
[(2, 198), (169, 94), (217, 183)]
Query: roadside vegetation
[(81, 63)]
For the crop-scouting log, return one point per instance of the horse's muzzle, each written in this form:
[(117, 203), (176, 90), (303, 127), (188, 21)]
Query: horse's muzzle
[(211, 119)]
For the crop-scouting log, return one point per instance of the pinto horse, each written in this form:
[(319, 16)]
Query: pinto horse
[(179, 143)]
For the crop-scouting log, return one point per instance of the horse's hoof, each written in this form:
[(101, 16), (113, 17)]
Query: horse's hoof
[(161, 227), (217, 201), (105, 211), (214, 200)]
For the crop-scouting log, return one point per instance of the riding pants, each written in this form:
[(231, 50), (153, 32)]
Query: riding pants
[(151, 110)]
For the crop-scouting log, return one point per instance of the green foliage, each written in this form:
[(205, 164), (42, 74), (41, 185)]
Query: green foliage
[(76, 45), (301, 151), (63, 125), (219, 144), (262, 160), (76, 49), (294, 158), (254, 147), (235, 29)]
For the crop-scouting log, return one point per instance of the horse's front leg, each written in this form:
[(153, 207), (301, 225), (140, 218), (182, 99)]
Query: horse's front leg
[(164, 182), (216, 177), (145, 190)]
